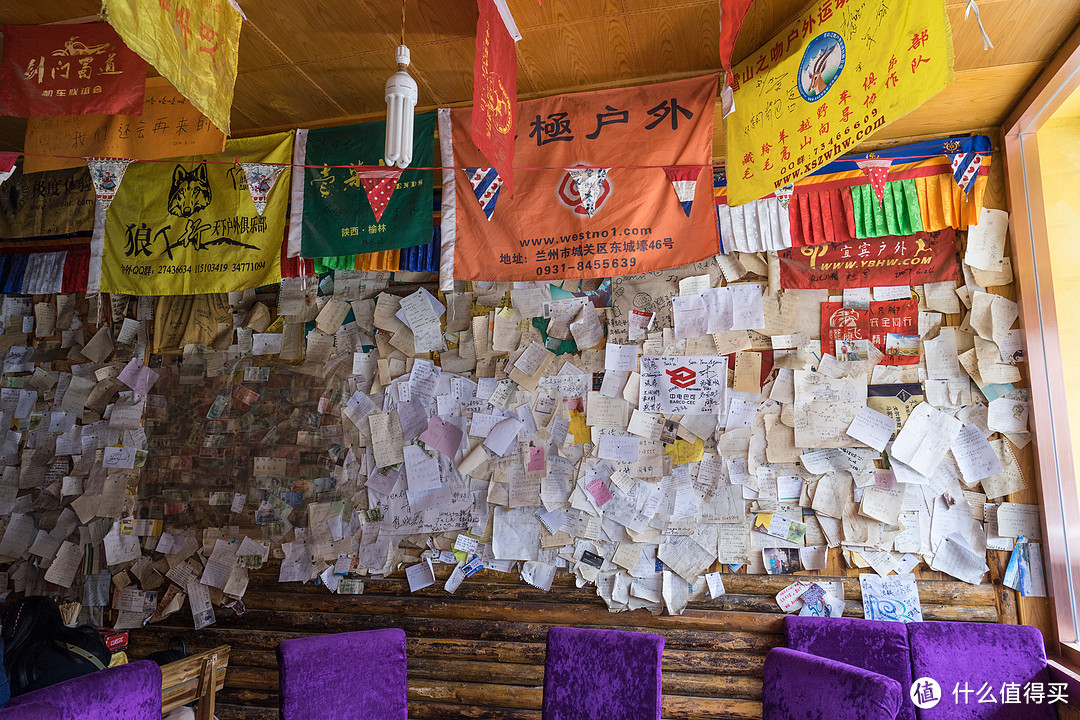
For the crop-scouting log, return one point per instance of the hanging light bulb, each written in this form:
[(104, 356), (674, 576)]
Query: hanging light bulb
[(401, 96)]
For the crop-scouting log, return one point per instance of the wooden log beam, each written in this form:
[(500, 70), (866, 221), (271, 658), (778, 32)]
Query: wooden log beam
[(687, 661), (241, 632)]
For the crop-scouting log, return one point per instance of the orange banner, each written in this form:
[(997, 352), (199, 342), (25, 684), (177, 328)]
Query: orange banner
[(169, 127), (643, 217)]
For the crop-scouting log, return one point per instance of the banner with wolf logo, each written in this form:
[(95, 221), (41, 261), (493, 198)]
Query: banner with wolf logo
[(191, 227), (619, 144)]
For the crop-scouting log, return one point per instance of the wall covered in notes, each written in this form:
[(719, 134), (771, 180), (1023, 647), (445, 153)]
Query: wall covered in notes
[(649, 434)]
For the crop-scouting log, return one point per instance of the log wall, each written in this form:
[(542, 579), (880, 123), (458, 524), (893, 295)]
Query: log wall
[(480, 652)]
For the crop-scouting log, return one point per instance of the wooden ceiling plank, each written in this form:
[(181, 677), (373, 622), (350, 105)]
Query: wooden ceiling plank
[(570, 57), (530, 15), (446, 70), (677, 40), (280, 97), (307, 78), (392, 30), (1046, 25), (36, 12), (635, 53)]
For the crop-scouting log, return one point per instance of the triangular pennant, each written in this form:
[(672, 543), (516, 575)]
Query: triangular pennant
[(260, 180), (590, 186), (877, 169), (965, 167), (684, 180), (379, 184), (106, 174), (485, 184), (7, 165), (783, 195)]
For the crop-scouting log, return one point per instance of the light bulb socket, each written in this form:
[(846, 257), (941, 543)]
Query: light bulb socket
[(401, 56)]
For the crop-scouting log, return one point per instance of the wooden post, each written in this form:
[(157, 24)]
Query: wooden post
[(207, 686)]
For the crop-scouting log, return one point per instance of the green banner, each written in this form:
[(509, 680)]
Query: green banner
[(338, 220)]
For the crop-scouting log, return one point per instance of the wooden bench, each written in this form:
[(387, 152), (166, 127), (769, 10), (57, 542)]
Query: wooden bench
[(194, 679)]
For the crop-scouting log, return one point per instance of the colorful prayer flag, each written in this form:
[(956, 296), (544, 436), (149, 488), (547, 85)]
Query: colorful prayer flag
[(332, 210), (107, 174), (486, 184), (379, 184), (877, 169), (190, 227), (69, 70), (834, 204), (590, 185), (260, 179), (684, 182), (194, 44), (965, 168), (828, 81)]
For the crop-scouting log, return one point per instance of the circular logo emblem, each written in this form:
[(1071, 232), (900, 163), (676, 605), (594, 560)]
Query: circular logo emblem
[(821, 65), (568, 194), (925, 693)]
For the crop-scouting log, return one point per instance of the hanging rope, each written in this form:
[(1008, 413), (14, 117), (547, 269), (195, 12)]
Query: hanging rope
[(987, 45)]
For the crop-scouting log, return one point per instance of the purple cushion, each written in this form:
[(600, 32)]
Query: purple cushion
[(609, 674), (875, 645), (125, 692), (31, 711), (799, 686), (354, 676), (954, 653)]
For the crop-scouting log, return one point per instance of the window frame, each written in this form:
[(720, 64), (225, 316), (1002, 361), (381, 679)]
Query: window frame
[(1056, 480)]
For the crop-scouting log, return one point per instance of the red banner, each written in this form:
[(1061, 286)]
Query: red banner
[(891, 325), (494, 115), (732, 13), (69, 70), (880, 262)]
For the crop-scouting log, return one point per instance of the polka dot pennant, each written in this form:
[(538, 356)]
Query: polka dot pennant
[(877, 169), (379, 185)]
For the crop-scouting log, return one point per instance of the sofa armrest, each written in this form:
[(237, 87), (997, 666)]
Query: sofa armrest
[(1063, 674), (807, 687)]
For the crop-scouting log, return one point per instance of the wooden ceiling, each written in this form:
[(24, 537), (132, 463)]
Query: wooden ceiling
[(312, 63)]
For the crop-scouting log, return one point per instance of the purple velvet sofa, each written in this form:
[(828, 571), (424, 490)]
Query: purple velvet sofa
[(125, 692), (609, 674), (843, 667), (346, 676), (31, 711)]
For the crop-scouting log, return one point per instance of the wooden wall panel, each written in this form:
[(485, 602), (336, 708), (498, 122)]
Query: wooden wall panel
[(479, 653)]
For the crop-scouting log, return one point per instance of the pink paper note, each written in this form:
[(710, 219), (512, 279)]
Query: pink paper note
[(443, 436), (599, 491), (536, 459)]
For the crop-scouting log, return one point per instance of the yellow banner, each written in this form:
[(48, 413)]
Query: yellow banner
[(190, 226), (193, 43), (832, 78)]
